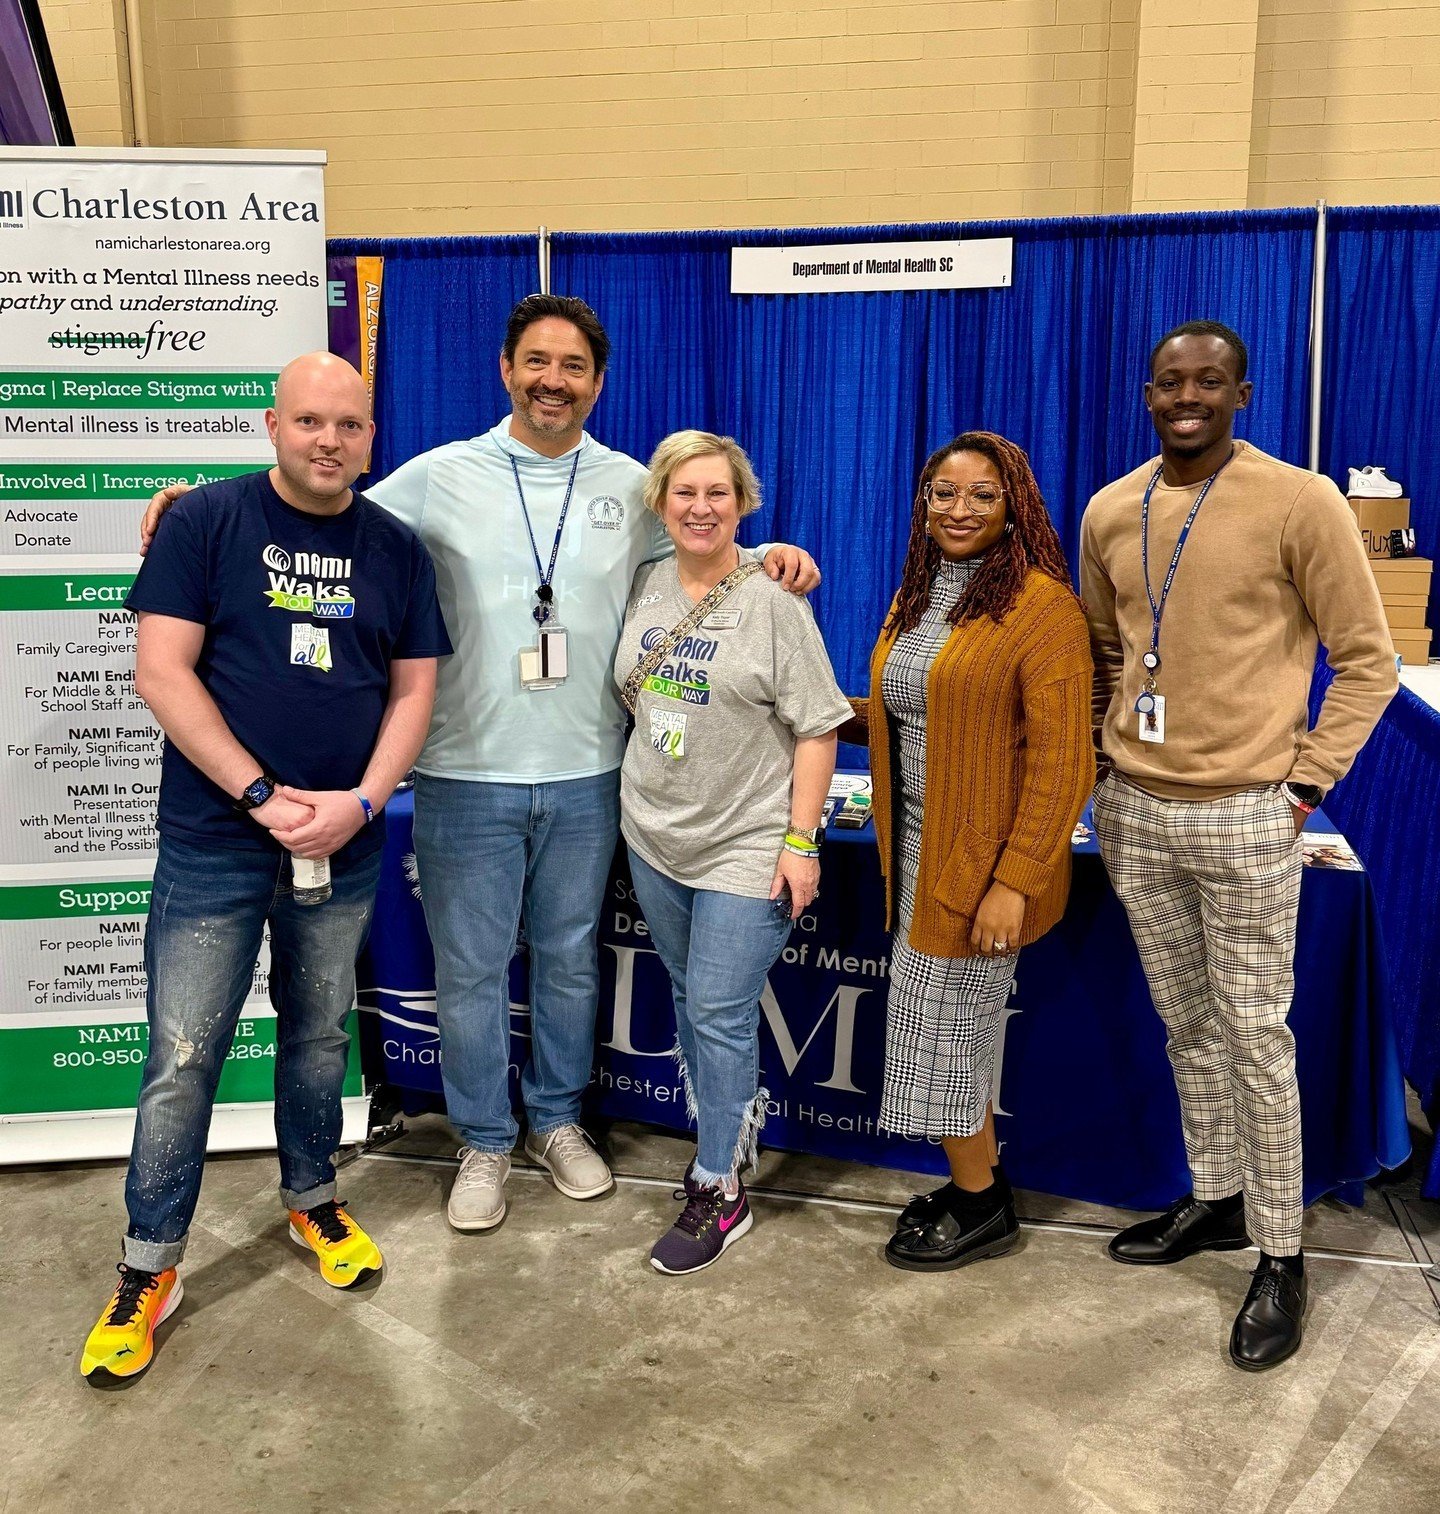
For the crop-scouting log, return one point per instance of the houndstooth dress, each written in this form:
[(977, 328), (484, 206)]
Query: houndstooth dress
[(944, 1012)]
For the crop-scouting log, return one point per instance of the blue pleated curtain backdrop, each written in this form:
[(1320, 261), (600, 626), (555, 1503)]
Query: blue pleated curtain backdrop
[(838, 398), (442, 317), (1382, 351)]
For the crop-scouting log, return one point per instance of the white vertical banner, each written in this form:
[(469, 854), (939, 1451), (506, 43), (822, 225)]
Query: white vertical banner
[(148, 299)]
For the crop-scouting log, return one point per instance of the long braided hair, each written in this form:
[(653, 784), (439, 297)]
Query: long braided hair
[(1029, 540)]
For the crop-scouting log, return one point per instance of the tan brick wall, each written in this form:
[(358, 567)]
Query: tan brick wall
[(87, 40), (497, 115), (478, 115), (155, 76), (1347, 103), (1194, 90)]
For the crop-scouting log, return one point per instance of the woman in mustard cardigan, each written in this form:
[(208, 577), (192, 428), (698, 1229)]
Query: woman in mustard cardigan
[(978, 724)]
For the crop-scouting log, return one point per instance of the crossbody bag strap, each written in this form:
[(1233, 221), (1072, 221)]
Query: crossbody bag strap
[(630, 694)]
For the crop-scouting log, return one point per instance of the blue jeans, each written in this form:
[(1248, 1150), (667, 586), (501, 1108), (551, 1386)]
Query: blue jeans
[(491, 855), (208, 911), (717, 949)]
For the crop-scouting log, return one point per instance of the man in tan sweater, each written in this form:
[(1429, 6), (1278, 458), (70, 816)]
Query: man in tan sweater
[(1210, 575)]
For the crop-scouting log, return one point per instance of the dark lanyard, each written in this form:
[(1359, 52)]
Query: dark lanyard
[(544, 593), (1151, 659)]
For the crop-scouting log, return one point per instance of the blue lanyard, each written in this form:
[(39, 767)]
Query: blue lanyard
[(1157, 610), (545, 594)]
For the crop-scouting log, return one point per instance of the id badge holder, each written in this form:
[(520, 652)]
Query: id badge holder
[(547, 664), (1150, 708)]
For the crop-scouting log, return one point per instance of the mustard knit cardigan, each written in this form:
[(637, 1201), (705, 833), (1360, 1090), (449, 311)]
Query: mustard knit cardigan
[(1009, 764)]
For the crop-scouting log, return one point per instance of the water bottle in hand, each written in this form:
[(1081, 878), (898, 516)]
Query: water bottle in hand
[(312, 880)]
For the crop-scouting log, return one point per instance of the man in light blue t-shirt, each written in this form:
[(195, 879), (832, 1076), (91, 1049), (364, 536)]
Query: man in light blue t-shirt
[(517, 798)]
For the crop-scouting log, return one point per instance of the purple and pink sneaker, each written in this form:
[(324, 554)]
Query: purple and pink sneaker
[(708, 1224)]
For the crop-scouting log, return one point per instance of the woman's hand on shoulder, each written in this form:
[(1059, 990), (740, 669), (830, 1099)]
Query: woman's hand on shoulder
[(792, 568)]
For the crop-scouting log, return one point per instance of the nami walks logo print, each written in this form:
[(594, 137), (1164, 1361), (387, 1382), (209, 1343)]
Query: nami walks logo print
[(309, 582)]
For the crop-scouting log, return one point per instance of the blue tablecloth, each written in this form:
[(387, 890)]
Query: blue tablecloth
[(1086, 1104), (1389, 805)]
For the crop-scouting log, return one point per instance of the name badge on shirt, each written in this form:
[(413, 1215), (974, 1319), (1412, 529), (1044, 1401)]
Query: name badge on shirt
[(310, 646), (546, 664), (721, 620), (1152, 718)]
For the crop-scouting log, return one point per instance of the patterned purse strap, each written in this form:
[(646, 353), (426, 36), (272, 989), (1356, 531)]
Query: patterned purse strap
[(630, 694)]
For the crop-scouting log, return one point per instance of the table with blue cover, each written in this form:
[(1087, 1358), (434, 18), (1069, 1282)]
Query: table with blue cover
[(1389, 805), (1085, 1103)]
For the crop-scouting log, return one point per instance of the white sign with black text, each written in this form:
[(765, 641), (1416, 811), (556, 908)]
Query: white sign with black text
[(984, 263)]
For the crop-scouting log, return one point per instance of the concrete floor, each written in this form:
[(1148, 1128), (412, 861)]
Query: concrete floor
[(546, 1366)]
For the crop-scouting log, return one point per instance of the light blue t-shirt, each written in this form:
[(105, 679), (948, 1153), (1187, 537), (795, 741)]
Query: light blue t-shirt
[(461, 501)]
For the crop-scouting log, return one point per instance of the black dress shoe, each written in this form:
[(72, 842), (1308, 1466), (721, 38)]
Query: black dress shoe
[(1268, 1326), (949, 1241), (1188, 1226), (925, 1208)]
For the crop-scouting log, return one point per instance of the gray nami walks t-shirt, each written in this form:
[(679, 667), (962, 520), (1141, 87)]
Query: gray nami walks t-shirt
[(705, 788)]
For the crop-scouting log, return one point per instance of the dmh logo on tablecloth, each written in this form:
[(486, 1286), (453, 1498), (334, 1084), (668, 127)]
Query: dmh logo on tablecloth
[(832, 1033)]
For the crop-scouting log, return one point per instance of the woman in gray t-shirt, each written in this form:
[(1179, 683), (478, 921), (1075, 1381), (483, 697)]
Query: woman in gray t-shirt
[(721, 792)]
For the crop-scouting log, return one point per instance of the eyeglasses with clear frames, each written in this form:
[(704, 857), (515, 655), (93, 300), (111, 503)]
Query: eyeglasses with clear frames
[(980, 499)]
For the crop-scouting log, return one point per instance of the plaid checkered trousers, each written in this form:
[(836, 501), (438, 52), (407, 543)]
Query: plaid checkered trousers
[(1212, 889)]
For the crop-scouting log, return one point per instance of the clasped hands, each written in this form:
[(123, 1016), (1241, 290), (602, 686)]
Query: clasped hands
[(310, 823)]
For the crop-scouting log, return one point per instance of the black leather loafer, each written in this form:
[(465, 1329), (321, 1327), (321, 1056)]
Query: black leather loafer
[(925, 1208), (944, 1243), (1268, 1327), (1188, 1226)]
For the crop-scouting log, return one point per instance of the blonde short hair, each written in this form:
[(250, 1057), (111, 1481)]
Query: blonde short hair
[(682, 447)]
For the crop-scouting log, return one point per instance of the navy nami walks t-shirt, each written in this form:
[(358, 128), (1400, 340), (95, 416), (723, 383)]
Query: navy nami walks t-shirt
[(303, 615)]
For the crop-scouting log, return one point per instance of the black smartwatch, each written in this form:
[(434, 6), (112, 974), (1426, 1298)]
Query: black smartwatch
[(1306, 795), (255, 794)]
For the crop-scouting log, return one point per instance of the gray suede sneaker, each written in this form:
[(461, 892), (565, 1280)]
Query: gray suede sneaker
[(570, 1157), (477, 1199)]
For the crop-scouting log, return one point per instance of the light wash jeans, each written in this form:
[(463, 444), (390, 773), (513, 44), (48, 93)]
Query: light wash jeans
[(717, 949), (208, 911), (490, 855)]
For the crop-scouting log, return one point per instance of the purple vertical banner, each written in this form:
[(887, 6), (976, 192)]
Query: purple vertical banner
[(32, 110), (353, 297), (343, 298)]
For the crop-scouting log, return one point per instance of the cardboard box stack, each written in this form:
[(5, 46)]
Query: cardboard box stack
[(1404, 581)]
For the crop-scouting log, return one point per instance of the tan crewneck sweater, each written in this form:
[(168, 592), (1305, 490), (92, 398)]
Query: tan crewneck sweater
[(1272, 565)]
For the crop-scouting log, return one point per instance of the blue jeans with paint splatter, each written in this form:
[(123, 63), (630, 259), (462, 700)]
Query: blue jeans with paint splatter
[(209, 909)]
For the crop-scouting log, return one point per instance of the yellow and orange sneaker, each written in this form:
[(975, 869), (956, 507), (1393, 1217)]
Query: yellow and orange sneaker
[(347, 1255), (123, 1340)]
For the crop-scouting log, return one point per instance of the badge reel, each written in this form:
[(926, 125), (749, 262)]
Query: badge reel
[(547, 663), (1150, 706)]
